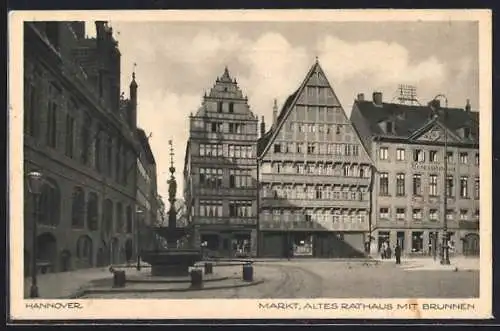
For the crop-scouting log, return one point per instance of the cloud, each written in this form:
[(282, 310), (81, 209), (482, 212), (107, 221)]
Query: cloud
[(175, 69), (383, 63), (376, 65), (164, 114), (275, 69)]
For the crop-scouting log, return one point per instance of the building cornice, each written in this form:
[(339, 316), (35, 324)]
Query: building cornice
[(405, 141)]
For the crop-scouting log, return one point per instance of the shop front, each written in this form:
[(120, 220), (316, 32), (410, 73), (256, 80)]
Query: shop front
[(470, 244), (228, 243), (320, 244), (422, 242)]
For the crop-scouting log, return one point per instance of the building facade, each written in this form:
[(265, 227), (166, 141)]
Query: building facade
[(81, 138), (314, 177), (146, 196), (220, 171), (407, 144)]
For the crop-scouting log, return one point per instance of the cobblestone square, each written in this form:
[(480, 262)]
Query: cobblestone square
[(333, 279)]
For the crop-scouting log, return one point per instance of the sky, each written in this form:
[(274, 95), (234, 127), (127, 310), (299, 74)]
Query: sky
[(177, 61)]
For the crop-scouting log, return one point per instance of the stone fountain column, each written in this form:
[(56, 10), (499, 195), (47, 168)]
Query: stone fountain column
[(172, 261), (172, 213)]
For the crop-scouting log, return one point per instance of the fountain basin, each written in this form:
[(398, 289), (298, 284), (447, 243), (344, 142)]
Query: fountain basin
[(171, 262)]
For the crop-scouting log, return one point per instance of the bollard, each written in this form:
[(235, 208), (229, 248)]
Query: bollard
[(119, 278), (196, 277), (248, 272), (209, 268)]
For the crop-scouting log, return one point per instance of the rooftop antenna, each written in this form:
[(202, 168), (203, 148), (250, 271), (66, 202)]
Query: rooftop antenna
[(408, 95)]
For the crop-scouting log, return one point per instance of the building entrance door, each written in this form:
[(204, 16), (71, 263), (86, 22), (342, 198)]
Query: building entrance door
[(471, 244), (400, 237)]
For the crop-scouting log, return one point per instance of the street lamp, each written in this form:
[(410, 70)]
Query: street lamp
[(445, 254), (139, 213), (35, 182)]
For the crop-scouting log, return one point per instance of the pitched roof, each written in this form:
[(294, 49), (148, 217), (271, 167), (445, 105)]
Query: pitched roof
[(410, 118), (143, 139), (263, 142)]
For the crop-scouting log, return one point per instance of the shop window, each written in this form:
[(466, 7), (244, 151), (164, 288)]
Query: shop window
[(417, 241), (302, 245)]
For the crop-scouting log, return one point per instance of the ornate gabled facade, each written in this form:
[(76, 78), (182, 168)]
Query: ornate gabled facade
[(407, 145), (220, 171), (314, 177)]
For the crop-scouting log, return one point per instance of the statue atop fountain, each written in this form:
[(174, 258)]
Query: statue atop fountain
[(171, 261)]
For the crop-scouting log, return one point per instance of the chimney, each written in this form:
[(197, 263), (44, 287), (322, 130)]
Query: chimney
[(262, 127), (79, 29), (377, 98), (275, 111), (361, 97), (100, 28), (467, 106)]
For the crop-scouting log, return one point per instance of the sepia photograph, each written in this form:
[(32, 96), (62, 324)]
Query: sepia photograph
[(276, 157)]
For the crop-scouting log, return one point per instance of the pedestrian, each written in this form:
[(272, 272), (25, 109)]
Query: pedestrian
[(290, 252), (397, 253), (389, 251), (384, 250)]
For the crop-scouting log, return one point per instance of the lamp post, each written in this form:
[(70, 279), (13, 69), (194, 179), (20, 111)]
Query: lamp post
[(139, 213), (445, 254), (35, 182)]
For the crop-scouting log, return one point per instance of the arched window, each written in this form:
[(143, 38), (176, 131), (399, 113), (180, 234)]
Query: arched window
[(107, 216), (50, 201), (86, 138), (78, 208), (92, 212), (84, 250), (129, 220), (119, 218)]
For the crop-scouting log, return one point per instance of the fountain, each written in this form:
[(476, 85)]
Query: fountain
[(172, 261)]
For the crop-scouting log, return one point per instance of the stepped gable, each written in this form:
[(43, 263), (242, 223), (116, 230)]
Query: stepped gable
[(224, 88)]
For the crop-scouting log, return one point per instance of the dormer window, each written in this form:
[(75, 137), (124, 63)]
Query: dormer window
[(466, 133), (389, 127)]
